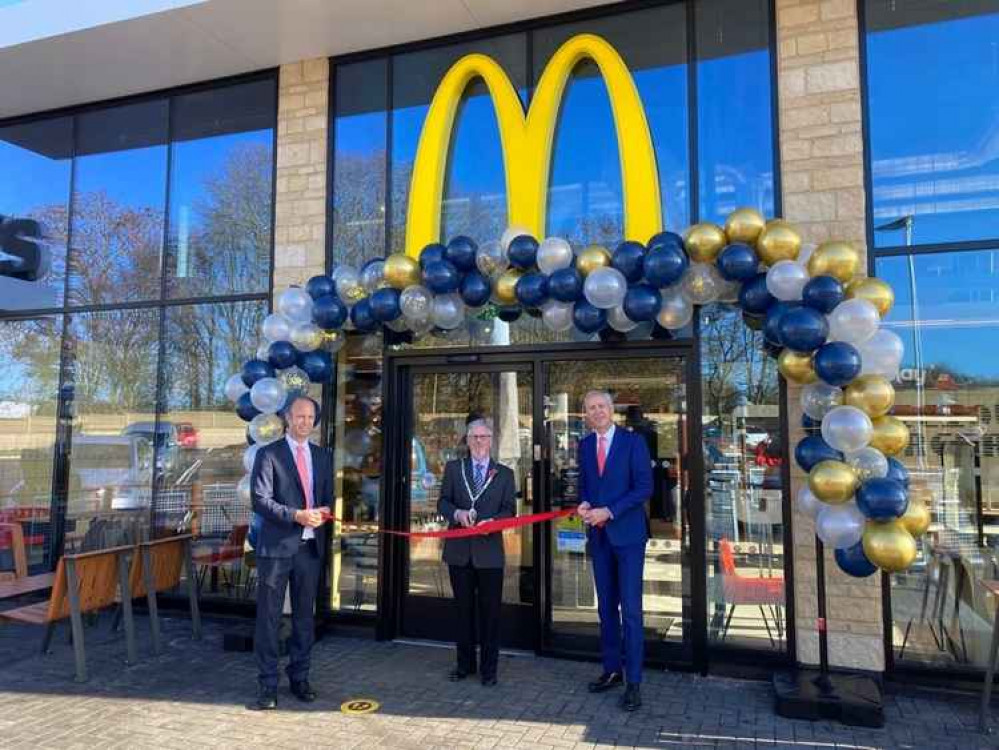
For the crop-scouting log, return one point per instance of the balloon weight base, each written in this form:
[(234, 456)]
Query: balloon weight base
[(854, 700)]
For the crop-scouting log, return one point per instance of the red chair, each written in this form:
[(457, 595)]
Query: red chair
[(738, 589)]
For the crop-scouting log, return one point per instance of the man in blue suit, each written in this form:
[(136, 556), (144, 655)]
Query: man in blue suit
[(291, 490), (615, 483)]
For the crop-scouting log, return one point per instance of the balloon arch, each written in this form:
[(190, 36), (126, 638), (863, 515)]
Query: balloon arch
[(820, 317)]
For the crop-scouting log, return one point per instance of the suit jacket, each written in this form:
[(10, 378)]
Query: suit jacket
[(496, 501), (624, 488), (277, 493)]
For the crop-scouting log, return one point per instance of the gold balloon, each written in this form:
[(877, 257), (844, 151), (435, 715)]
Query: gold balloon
[(837, 259), (796, 367), (891, 436), (916, 518), (872, 394), (704, 241), (592, 258), (833, 482), (779, 241), (744, 225), (853, 283), (875, 291), (401, 271), (888, 545), (506, 286)]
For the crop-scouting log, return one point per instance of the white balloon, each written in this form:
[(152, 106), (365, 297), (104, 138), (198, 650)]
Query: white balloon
[(619, 321), (881, 354), (605, 287), (786, 279), (416, 303), (348, 285), (840, 526), (448, 311), (276, 327), (244, 491), (854, 321), (266, 428), (868, 462), (491, 258), (249, 456), (554, 253), (818, 399), (235, 387), (805, 253), (510, 234), (701, 283), (295, 304), (676, 310), (268, 395), (847, 428), (557, 316), (808, 503), (306, 337)]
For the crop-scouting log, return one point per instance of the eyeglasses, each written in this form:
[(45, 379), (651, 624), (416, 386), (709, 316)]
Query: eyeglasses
[(479, 437)]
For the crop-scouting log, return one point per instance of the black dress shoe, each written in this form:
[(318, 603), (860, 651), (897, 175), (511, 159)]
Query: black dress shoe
[(456, 675), (632, 698), (606, 681), (489, 681), (266, 700), (303, 691)]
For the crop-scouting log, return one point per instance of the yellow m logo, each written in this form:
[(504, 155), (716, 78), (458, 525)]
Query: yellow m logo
[(527, 142)]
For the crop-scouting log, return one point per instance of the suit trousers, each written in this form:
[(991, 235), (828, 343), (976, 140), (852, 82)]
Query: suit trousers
[(274, 574), (478, 591), (618, 573)]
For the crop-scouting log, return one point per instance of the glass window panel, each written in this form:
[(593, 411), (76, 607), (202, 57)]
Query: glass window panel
[(359, 143), (733, 75), (110, 377), (118, 204), (933, 92), (947, 392), (744, 493), (35, 185), (221, 188), (29, 382)]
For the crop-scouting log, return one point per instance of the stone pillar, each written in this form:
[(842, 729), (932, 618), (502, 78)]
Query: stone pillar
[(822, 174), (300, 209)]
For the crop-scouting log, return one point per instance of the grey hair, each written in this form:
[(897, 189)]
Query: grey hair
[(602, 394), (487, 423)]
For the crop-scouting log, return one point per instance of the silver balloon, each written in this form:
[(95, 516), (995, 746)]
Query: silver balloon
[(676, 310), (854, 321), (881, 354), (398, 325), (249, 456), (786, 279), (557, 316), (294, 379), (701, 283), (416, 303), (348, 285), (818, 399), (268, 394), (491, 259), (295, 304), (808, 503), (373, 276), (448, 311), (244, 492), (306, 337), (420, 327), (509, 234), (554, 253), (847, 428), (333, 341), (605, 287), (840, 526), (235, 387), (276, 327), (619, 321), (266, 428), (868, 463), (729, 291)]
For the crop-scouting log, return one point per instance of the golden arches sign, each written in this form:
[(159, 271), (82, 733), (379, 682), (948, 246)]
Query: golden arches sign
[(527, 142)]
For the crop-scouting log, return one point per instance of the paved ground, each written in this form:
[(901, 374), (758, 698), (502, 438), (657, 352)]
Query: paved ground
[(193, 696)]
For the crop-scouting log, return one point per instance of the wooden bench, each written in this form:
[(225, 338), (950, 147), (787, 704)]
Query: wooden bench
[(160, 563), (83, 583), (21, 583)]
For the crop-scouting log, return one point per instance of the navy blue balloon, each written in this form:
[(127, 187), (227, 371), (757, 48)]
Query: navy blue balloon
[(629, 259), (642, 302), (588, 318), (320, 286), (249, 439), (802, 329), (664, 265), (318, 365), (461, 252), (523, 251), (509, 313), (854, 562), (737, 262), (432, 253), (754, 297), (245, 409), (881, 498), (282, 354), (665, 239), (475, 289), (329, 313), (566, 285), (812, 450), (823, 293), (811, 426), (898, 472), (254, 370), (771, 330), (385, 304), (441, 277), (361, 317), (532, 289), (837, 362)]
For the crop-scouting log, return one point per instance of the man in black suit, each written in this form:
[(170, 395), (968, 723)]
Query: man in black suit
[(291, 489), (477, 489)]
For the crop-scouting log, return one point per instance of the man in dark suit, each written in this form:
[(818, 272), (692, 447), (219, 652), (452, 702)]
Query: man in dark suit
[(477, 489), (615, 482), (291, 489)]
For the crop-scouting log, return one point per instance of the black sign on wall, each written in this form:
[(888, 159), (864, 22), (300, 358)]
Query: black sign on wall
[(22, 254)]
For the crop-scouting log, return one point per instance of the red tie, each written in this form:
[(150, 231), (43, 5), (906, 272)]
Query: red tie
[(601, 453), (303, 475)]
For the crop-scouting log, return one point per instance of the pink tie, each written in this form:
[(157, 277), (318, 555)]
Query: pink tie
[(601, 453), (303, 475)]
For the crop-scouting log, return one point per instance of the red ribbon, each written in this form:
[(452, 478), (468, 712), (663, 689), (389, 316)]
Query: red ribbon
[(486, 527)]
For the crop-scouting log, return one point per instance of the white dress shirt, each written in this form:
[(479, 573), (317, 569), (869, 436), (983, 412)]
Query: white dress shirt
[(307, 532)]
